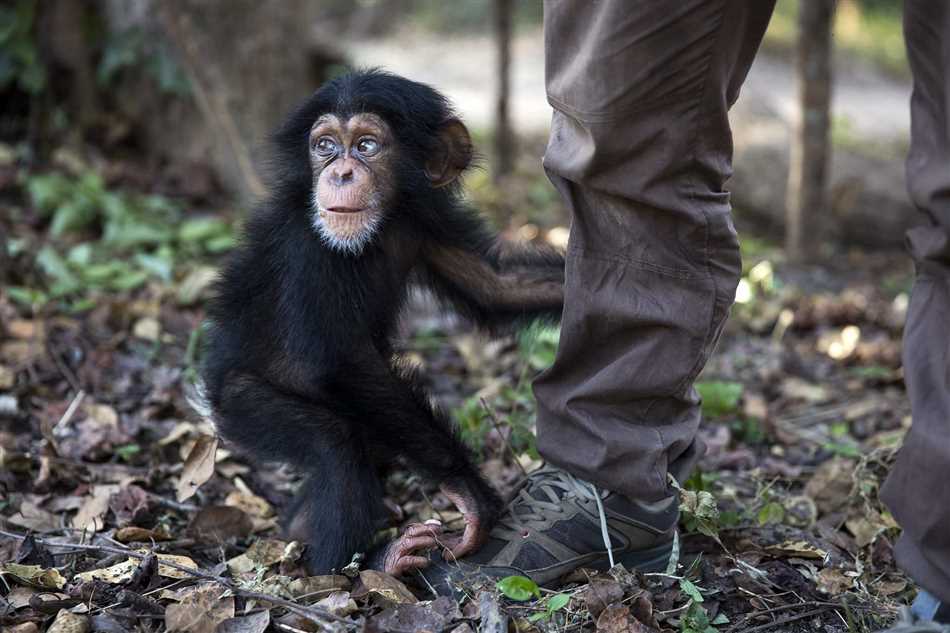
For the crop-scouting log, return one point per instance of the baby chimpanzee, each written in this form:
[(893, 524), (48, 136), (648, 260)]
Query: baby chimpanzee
[(299, 366)]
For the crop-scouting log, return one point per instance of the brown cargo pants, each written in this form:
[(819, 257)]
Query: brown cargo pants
[(640, 149)]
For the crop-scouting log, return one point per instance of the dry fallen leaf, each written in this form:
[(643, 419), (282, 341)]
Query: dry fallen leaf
[(67, 622), (122, 572), (33, 575), (91, 515), (254, 623), (260, 555), (249, 502), (19, 597), (797, 548), (220, 523), (134, 533), (383, 586), (338, 603), (7, 377), (200, 611), (32, 517), (199, 466), (147, 328), (833, 581), (317, 586)]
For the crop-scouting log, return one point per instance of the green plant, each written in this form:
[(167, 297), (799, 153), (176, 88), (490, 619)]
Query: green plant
[(519, 588), (699, 511), (19, 58), (552, 604), (127, 239), (696, 620), (719, 398), (132, 49), (538, 346)]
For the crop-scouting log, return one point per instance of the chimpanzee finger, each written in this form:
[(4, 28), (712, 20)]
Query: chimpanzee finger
[(408, 544), (472, 538), (423, 529), (408, 563)]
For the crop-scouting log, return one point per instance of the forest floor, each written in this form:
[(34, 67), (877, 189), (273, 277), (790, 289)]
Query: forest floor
[(118, 509)]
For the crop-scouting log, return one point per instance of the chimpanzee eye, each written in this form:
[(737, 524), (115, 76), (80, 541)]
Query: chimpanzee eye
[(367, 146), (325, 145)]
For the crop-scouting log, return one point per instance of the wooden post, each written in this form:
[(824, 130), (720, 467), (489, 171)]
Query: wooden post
[(806, 196), (504, 137)]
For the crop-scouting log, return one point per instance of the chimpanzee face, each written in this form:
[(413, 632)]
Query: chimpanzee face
[(352, 178), (353, 161)]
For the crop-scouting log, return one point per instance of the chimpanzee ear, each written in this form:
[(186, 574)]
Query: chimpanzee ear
[(452, 155)]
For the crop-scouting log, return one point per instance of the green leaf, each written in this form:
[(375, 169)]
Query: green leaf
[(56, 268), (47, 191), (158, 265), (80, 255), (771, 512), (722, 618), (558, 602), (202, 229), (842, 449), (129, 280), (72, 216), (220, 244), (518, 588), (127, 451), (27, 297), (99, 274), (691, 590), (719, 398)]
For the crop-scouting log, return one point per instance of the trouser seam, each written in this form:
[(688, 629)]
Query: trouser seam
[(697, 111), (595, 118), (637, 263)]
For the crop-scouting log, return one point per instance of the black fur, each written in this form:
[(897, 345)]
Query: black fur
[(298, 364)]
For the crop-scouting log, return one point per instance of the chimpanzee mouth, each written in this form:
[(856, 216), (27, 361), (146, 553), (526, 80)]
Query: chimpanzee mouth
[(344, 210)]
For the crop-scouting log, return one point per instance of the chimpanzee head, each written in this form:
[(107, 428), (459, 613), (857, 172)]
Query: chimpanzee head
[(373, 145)]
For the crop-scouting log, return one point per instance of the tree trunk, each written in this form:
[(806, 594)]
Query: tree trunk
[(811, 148), (248, 63), (504, 137)]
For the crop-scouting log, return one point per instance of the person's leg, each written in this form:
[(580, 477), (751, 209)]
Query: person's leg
[(917, 490), (640, 149)]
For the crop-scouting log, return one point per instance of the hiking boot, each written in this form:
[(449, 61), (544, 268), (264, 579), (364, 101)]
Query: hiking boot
[(926, 615), (555, 523)]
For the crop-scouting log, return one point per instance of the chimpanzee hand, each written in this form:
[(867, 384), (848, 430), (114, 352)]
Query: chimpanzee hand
[(401, 556), (479, 505)]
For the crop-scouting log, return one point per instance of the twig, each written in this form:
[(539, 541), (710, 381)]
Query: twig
[(789, 619), (70, 410), (62, 367), (315, 614), (497, 425), (174, 505)]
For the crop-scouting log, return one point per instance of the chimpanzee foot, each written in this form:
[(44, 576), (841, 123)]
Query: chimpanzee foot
[(408, 551)]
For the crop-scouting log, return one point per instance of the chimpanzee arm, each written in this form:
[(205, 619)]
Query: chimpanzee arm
[(403, 423), (494, 283)]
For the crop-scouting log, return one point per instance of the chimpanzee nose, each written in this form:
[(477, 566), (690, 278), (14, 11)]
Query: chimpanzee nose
[(342, 175)]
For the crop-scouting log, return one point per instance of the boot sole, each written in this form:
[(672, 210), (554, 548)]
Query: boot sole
[(654, 559)]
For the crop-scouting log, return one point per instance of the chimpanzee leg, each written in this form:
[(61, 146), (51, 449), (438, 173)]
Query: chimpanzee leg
[(338, 509), (339, 506)]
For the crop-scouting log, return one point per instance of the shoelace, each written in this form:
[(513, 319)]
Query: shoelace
[(527, 510), (908, 624)]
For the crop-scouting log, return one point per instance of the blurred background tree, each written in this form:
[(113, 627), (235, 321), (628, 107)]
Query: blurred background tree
[(177, 100)]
